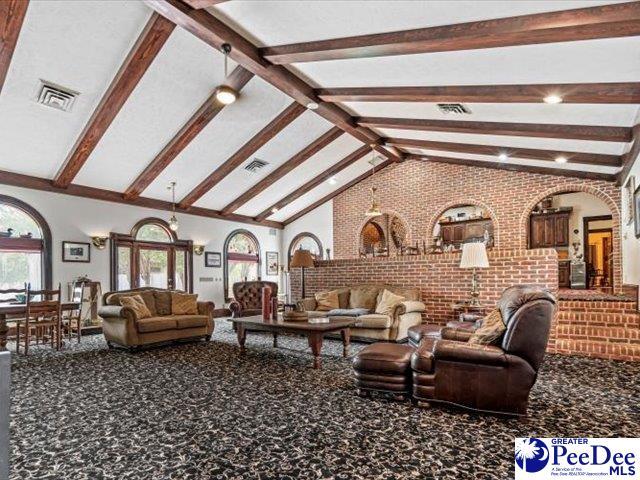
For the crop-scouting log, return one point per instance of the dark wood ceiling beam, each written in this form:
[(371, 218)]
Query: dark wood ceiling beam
[(141, 56), (515, 152), (606, 21), (629, 158), (12, 13), (572, 132), (294, 162), (278, 124), (215, 33), (316, 181), (610, 177), (207, 112), (46, 185), (335, 193), (627, 92)]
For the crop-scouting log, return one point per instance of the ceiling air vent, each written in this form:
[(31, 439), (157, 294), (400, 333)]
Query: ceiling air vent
[(455, 108), (55, 96), (255, 165)]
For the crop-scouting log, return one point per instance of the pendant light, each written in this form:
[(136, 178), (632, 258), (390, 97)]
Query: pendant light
[(224, 93), (374, 209), (173, 221)]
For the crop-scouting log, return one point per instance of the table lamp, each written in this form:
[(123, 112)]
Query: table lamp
[(302, 259), (474, 255)]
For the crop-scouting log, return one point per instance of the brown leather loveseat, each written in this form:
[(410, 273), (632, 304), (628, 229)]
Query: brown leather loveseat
[(121, 326), (488, 378)]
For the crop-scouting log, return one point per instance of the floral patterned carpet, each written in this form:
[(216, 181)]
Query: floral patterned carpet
[(200, 411)]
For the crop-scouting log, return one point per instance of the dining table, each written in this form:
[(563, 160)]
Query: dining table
[(19, 310)]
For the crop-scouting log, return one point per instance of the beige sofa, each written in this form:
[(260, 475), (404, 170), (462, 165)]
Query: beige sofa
[(120, 325), (373, 326)]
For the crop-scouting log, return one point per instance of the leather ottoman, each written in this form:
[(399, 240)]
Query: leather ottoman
[(384, 367), (416, 333)]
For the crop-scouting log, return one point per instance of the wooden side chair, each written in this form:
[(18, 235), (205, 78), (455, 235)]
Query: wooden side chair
[(10, 295), (72, 321), (44, 315)]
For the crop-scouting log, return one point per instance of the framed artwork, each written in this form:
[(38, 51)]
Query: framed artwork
[(272, 263), (636, 207), (630, 188), (213, 259), (76, 252)]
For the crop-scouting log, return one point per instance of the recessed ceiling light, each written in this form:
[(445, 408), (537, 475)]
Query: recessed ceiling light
[(561, 159), (274, 209), (503, 157), (553, 99), (312, 106), (332, 180)]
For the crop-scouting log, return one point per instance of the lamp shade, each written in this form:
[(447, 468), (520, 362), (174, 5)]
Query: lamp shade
[(301, 258), (474, 255)]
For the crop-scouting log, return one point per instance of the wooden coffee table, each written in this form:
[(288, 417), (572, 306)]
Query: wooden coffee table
[(314, 332)]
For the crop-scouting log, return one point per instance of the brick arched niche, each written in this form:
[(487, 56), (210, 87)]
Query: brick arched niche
[(390, 213), (597, 193), (461, 202)]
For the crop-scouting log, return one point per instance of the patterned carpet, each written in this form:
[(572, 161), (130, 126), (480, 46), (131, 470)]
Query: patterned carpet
[(199, 411)]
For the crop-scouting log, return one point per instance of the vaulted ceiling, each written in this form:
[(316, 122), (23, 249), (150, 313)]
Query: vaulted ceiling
[(146, 115)]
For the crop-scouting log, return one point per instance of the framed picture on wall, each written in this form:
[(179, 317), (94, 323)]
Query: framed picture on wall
[(636, 213), (272, 263), (629, 209), (76, 252), (212, 259)]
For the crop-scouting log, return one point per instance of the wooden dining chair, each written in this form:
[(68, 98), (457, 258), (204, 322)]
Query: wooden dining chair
[(72, 320), (44, 315), (10, 295)]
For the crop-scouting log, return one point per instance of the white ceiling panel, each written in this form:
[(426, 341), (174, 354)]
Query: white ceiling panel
[(516, 161), (161, 104), (609, 60), (588, 146), (280, 22), (321, 161), (569, 114), (344, 177), (78, 45), (258, 105), (303, 131)]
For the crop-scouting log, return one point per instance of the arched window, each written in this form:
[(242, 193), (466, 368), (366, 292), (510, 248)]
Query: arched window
[(306, 241), (151, 256), (241, 259), (25, 246)]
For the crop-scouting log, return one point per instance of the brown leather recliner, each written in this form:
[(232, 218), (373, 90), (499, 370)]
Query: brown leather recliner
[(488, 378), (248, 297)]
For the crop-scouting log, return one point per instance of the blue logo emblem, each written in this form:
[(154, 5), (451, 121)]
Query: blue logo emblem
[(532, 455)]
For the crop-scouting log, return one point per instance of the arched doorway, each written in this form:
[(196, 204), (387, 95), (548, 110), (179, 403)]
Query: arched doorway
[(583, 227), (460, 224)]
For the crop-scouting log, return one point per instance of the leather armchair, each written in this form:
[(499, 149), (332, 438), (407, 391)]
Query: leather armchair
[(494, 379), (248, 298)]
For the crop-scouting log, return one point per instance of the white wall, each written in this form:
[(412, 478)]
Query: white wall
[(77, 219), (630, 244), (319, 222), (584, 205)]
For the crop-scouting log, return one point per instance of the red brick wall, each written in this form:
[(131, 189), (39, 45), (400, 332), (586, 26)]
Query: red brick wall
[(419, 192), (439, 278)]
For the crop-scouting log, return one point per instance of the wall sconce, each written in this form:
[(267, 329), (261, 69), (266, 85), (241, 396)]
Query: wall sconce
[(198, 249), (99, 242)]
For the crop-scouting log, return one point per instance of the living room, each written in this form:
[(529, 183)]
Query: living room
[(301, 239)]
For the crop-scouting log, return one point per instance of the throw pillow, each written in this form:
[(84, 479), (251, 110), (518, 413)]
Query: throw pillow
[(184, 303), (364, 297), (327, 301), (163, 302), (136, 303), (491, 330), (388, 301), (348, 312)]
